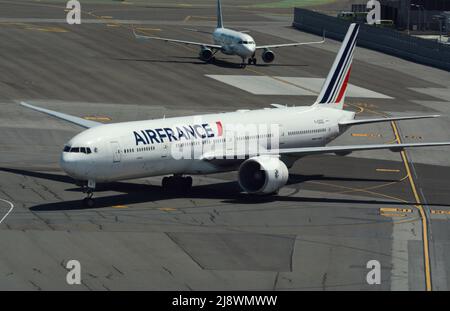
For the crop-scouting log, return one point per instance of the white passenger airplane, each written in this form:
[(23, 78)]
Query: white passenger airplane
[(231, 42), (128, 150)]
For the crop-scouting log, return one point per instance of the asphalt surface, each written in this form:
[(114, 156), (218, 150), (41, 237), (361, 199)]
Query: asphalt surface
[(336, 214)]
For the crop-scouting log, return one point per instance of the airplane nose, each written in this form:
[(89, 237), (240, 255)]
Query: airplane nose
[(251, 49), (69, 164)]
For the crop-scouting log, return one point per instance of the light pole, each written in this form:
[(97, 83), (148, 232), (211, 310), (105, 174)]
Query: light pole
[(418, 6), (409, 17), (421, 23), (439, 18)]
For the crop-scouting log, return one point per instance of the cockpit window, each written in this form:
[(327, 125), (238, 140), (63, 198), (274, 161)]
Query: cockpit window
[(85, 150), (246, 42)]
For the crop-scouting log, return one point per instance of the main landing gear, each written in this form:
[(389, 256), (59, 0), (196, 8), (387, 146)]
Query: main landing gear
[(89, 190), (252, 60), (249, 61), (177, 183)]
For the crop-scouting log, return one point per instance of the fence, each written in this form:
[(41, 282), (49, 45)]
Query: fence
[(385, 40)]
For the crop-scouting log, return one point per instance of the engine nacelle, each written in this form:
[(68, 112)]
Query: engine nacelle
[(262, 175), (268, 56), (205, 54)]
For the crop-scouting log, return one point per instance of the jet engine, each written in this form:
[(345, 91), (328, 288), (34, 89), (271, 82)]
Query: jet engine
[(268, 56), (262, 175), (205, 54)]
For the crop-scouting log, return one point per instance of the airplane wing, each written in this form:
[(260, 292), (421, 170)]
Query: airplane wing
[(365, 121), (200, 31), (278, 106), (344, 150), (142, 37), (274, 46), (338, 150), (75, 120)]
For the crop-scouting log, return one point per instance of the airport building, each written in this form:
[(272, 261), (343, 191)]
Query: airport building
[(418, 15)]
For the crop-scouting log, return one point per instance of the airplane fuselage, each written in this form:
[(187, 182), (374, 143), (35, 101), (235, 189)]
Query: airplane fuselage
[(234, 42), (177, 145)]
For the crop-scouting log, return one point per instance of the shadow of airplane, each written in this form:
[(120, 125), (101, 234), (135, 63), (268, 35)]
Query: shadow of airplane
[(297, 179), (227, 192), (196, 61)]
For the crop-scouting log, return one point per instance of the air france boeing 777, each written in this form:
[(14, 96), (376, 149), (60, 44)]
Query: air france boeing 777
[(128, 150), (231, 42)]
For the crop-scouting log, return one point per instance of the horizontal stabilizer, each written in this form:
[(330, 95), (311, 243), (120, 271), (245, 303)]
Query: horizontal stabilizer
[(366, 121)]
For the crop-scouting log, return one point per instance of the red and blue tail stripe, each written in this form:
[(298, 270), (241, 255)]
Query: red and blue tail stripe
[(335, 86)]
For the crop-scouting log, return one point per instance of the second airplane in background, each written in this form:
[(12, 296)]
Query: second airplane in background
[(231, 42)]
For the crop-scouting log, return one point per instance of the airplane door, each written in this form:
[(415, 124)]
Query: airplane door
[(165, 150), (115, 148), (282, 136), (229, 146)]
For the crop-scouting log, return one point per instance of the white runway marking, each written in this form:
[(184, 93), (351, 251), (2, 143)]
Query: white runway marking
[(265, 85), (10, 209)]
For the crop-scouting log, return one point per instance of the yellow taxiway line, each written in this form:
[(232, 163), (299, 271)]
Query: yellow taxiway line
[(387, 170), (419, 206)]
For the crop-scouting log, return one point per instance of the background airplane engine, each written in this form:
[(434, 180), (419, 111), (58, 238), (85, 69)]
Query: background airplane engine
[(268, 56), (205, 54), (262, 175)]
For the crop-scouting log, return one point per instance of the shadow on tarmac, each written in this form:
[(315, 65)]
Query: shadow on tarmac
[(227, 192), (196, 61)]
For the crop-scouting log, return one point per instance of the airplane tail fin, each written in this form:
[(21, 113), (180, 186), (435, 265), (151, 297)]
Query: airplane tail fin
[(219, 15), (334, 88)]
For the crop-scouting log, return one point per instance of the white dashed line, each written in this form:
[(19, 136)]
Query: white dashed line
[(10, 210)]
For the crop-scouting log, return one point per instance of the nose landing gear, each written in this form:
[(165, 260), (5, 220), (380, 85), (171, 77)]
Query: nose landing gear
[(89, 190), (243, 64)]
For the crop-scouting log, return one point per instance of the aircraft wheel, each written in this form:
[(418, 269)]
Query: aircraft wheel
[(254, 60), (187, 182), (89, 202), (177, 183), (166, 183)]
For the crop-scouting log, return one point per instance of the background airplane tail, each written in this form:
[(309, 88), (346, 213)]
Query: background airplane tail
[(219, 15), (334, 88)]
